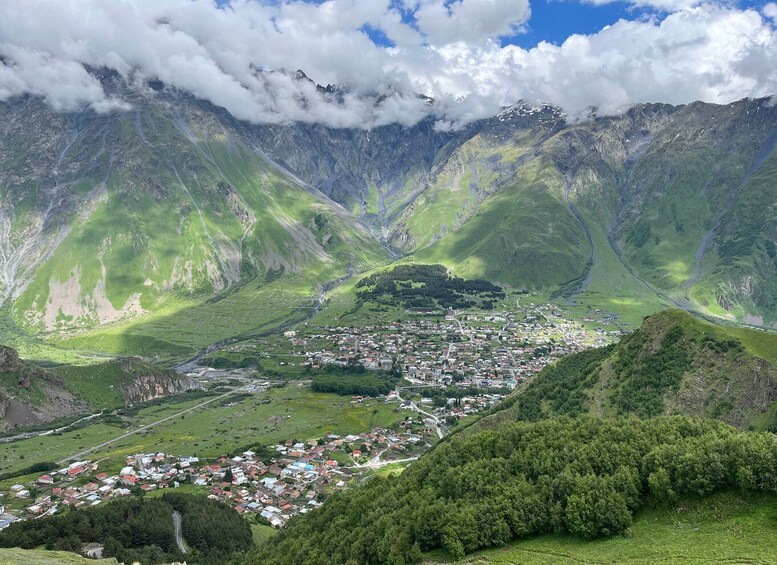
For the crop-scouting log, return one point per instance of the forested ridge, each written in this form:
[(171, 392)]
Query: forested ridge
[(584, 476), (673, 364)]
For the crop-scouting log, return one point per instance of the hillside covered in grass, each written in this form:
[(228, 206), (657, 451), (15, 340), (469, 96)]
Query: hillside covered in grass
[(122, 381), (729, 527), (584, 477), (155, 224), (674, 363), (41, 556), (173, 227)]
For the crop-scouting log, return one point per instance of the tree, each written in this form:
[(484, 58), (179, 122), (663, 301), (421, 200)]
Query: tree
[(660, 484)]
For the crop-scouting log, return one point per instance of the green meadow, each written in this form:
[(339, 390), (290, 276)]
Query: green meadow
[(291, 412), (724, 528)]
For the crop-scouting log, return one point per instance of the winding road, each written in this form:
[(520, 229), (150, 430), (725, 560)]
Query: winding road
[(178, 536), (414, 406)]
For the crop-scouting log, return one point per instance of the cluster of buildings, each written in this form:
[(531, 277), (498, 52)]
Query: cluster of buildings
[(275, 485), (475, 351), (494, 350), (65, 487), (301, 471)]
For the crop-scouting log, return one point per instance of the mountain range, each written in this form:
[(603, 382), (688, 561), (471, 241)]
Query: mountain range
[(174, 225)]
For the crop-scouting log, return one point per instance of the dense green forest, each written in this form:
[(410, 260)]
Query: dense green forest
[(584, 476), (561, 388), (354, 380), (427, 286), (141, 529)]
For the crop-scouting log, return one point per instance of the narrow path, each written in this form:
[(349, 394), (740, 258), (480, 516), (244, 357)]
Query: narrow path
[(80, 454), (178, 536), (435, 419), (372, 464)]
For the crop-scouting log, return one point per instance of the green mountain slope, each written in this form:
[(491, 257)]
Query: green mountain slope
[(723, 528), (664, 205), (174, 226), (142, 215), (583, 477), (525, 235), (673, 364), (122, 381), (30, 395)]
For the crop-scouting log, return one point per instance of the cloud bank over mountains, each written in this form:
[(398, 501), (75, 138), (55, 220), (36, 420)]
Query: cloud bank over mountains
[(382, 54)]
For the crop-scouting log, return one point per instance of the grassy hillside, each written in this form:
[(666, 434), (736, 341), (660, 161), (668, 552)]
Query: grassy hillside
[(31, 395), (723, 528), (663, 205), (585, 477), (673, 364), (167, 229), (121, 381), (147, 218), (524, 236), (42, 557)]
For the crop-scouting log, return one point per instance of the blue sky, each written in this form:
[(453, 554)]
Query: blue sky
[(551, 20), (556, 20)]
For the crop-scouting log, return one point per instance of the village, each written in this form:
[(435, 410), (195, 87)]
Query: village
[(482, 356), (494, 350), (274, 484)]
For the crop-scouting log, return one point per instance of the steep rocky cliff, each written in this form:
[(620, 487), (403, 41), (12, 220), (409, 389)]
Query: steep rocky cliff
[(145, 382), (30, 395)]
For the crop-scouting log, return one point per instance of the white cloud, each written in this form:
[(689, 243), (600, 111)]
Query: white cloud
[(470, 20), (661, 5), (449, 51), (770, 11)]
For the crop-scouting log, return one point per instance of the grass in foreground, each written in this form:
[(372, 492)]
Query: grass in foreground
[(724, 528), (41, 557)]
